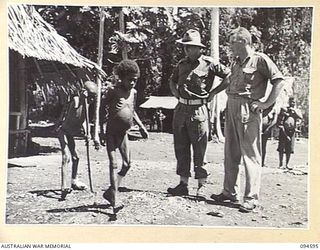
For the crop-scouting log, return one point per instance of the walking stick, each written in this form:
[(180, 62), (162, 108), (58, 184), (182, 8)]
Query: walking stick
[(87, 143)]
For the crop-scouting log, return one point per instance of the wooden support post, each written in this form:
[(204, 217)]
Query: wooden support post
[(22, 94)]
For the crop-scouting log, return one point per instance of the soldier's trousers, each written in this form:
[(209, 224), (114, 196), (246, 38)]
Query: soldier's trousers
[(190, 128), (242, 142)]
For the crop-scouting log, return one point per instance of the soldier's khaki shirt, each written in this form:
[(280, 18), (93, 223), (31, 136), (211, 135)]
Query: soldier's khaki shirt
[(250, 77), (195, 79)]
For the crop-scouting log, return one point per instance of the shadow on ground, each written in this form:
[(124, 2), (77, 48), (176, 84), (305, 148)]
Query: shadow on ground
[(188, 197), (51, 193), (95, 208)]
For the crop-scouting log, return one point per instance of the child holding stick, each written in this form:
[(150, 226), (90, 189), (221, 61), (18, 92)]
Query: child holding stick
[(120, 102), (70, 126)]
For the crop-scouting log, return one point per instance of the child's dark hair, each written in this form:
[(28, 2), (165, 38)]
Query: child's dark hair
[(127, 67)]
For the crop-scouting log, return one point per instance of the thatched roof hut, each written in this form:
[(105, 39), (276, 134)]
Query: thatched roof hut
[(37, 49), (32, 36)]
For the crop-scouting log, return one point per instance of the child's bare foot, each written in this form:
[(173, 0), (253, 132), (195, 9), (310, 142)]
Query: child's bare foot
[(110, 196)]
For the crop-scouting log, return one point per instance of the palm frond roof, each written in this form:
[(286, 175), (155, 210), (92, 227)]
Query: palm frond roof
[(31, 36)]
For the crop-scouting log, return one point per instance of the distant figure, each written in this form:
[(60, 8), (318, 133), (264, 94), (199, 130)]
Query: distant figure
[(268, 121), (120, 104), (158, 118), (287, 122), (70, 125)]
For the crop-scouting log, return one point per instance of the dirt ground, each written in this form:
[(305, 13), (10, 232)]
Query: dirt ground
[(33, 189)]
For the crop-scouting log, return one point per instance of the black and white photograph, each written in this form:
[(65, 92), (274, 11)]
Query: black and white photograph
[(192, 116)]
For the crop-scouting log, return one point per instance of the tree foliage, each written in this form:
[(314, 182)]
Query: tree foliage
[(282, 33)]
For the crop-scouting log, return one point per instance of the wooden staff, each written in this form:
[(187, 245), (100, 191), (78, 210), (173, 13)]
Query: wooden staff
[(87, 142)]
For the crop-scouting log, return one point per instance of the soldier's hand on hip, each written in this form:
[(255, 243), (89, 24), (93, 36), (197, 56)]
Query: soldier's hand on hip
[(257, 106)]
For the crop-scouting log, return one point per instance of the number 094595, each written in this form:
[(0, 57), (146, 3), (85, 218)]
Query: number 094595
[(309, 246)]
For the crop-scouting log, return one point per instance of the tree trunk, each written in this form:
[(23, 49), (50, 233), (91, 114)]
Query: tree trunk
[(100, 56), (216, 109), (123, 30)]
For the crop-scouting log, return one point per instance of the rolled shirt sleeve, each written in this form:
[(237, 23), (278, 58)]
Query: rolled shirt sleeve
[(268, 68)]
